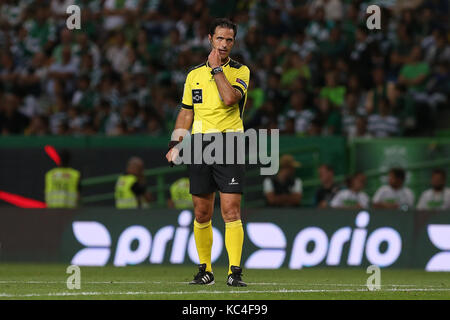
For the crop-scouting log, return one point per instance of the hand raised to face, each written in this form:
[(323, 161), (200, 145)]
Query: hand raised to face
[(214, 58)]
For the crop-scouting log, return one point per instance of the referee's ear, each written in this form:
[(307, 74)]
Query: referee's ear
[(210, 41)]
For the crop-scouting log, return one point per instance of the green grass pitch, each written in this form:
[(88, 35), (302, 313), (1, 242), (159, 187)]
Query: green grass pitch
[(48, 281)]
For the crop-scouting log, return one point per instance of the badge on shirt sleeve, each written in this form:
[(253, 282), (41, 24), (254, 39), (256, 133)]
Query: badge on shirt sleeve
[(197, 96), (241, 82)]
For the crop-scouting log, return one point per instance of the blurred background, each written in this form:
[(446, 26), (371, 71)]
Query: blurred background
[(343, 96)]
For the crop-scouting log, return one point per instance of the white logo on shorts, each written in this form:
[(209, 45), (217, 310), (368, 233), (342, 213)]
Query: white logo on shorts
[(233, 181)]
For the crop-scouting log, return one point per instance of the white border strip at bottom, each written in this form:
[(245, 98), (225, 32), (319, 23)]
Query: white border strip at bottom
[(65, 294)]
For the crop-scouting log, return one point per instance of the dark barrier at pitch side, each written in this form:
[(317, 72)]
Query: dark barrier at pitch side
[(274, 238)]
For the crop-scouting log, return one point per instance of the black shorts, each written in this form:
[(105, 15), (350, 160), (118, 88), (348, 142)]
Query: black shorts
[(208, 178)]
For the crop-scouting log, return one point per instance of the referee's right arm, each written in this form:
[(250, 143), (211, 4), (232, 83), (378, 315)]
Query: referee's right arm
[(184, 119)]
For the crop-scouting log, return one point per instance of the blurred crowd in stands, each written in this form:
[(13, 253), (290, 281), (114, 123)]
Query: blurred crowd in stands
[(316, 69), (285, 189)]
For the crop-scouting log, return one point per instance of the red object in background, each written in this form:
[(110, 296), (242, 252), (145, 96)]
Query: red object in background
[(20, 201), (50, 150)]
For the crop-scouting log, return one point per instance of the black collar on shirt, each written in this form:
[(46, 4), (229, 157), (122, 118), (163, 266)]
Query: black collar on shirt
[(223, 65)]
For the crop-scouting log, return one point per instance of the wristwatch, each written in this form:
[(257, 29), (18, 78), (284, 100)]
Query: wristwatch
[(216, 70)]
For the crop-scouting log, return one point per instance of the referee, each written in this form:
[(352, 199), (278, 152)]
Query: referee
[(213, 101)]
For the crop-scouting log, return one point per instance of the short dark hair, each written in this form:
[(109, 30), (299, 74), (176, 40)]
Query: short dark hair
[(224, 23), (349, 179), (441, 172), (399, 173), (327, 166), (65, 156)]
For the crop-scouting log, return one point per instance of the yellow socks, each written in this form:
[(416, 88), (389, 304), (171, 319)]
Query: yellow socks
[(234, 239), (203, 235)]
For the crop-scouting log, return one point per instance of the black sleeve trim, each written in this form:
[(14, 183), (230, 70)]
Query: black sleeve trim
[(185, 106), (240, 90)]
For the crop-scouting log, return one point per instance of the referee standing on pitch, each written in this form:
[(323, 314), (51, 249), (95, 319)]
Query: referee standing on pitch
[(214, 97)]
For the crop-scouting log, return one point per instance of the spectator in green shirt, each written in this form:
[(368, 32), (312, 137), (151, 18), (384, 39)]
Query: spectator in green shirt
[(66, 40), (332, 91), (329, 117), (294, 68), (415, 72)]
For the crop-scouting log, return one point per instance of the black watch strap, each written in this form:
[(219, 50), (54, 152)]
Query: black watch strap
[(216, 70)]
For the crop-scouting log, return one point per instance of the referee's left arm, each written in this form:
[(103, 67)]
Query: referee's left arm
[(229, 94)]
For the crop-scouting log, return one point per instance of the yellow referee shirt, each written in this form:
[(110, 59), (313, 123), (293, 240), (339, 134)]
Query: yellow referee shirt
[(211, 114)]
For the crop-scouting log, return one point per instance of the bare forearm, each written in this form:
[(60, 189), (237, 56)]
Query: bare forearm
[(184, 119), (385, 205), (275, 201), (229, 94), (182, 125), (284, 199), (295, 199), (291, 199)]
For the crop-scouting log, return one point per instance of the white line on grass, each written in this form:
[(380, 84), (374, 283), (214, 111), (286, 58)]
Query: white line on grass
[(251, 283), (111, 293), (91, 282), (335, 284)]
